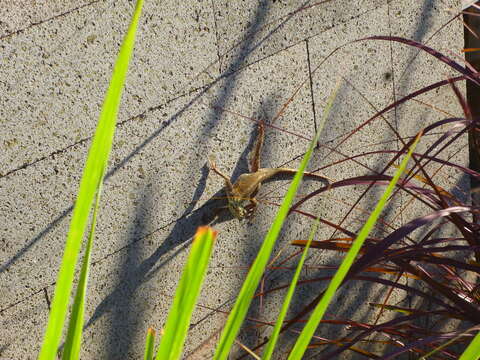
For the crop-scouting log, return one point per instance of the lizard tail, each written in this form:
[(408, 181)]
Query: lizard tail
[(272, 172)]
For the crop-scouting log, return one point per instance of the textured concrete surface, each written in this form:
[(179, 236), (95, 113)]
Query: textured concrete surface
[(193, 61)]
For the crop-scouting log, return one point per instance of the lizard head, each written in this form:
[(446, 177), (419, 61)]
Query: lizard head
[(236, 208)]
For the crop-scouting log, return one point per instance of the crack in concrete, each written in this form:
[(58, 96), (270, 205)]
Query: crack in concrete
[(33, 24), (82, 141)]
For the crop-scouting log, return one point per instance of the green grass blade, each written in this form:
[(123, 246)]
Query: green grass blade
[(92, 177), (239, 311), (475, 350), (71, 350), (472, 352), (267, 353), (188, 289), (149, 343), (312, 323)]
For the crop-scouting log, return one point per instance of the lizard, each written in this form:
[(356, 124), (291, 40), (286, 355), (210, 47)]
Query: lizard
[(248, 184)]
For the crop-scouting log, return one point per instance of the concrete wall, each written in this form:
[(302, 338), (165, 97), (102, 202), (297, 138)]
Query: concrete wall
[(191, 62)]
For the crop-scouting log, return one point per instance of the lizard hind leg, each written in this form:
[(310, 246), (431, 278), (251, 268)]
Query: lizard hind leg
[(255, 162)]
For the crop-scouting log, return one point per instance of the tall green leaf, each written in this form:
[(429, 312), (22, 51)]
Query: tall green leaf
[(239, 311), (472, 352), (188, 289), (71, 350), (305, 336), (95, 166), (149, 344), (267, 353)]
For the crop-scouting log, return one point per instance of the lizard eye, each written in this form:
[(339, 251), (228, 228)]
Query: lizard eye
[(240, 212)]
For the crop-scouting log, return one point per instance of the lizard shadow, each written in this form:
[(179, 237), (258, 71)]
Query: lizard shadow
[(177, 240)]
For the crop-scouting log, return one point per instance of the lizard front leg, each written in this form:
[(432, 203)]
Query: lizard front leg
[(228, 183)]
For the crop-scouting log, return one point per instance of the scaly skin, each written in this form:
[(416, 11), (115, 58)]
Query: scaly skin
[(248, 184)]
